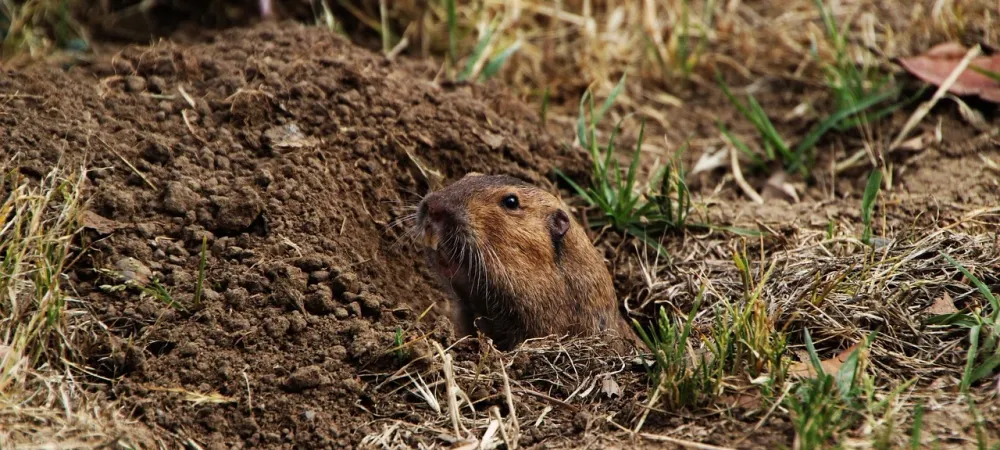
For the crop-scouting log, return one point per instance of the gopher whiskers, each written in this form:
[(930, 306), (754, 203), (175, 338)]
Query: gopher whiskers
[(411, 229)]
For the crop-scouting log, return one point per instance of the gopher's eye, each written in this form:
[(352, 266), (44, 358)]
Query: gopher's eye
[(510, 202)]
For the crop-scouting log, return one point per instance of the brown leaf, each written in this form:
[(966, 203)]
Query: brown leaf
[(830, 366), (937, 63), (943, 305)]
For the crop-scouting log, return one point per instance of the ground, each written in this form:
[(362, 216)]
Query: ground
[(241, 266)]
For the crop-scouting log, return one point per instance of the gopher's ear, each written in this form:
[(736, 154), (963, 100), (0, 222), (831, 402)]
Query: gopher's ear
[(559, 224), (558, 227)]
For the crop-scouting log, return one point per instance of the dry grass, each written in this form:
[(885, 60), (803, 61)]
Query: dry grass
[(44, 395), (669, 46), (837, 288), (549, 384)]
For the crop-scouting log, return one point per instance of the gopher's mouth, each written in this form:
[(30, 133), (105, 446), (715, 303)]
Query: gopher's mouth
[(443, 258), (445, 264)]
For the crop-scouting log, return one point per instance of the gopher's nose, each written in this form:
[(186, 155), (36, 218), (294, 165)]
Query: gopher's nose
[(437, 210)]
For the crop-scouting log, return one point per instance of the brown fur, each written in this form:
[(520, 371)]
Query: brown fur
[(512, 276)]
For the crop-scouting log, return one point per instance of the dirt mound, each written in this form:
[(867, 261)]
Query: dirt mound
[(288, 153)]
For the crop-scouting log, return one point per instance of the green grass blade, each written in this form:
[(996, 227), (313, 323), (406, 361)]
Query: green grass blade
[(983, 289), (627, 190), (477, 53), (739, 144), (868, 203), (830, 122), (811, 349), (854, 122), (494, 65), (732, 98), (970, 359), (766, 128), (650, 45), (452, 30), (644, 237), (611, 98), (576, 187), (918, 423), (995, 76), (985, 369)]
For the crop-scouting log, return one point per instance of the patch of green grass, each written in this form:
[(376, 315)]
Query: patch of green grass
[(399, 341), (754, 340), (823, 406), (45, 332), (801, 157), (742, 341), (35, 243), (623, 202), (856, 90), (683, 52), (828, 404), (868, 204), (918, 424), (488, 66), (678, 380), (983, 355), (36, 27), (688, 53), (452, 15), (775, 146), (850, 83)]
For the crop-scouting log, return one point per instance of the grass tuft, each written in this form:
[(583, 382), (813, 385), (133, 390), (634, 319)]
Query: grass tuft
[(43, 329), (678, 380), (826, 404), (983, 355), (741, 341), (36, 28), (623, 202)]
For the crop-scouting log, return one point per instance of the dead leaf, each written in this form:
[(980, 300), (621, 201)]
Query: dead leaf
[(939, 61), (830, 366), (611, 388), (98, 223), (710, 161), (943, 305)]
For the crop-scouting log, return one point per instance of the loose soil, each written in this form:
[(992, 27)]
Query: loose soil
[(290, 154), (286, 157)]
